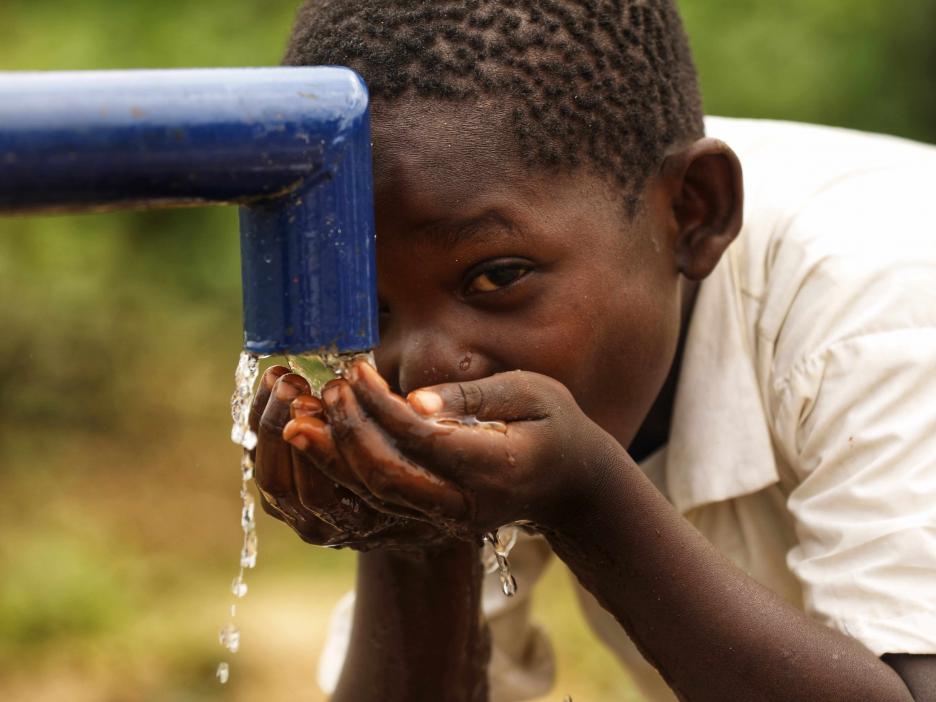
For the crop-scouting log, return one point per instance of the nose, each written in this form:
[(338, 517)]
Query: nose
[(428, 357)]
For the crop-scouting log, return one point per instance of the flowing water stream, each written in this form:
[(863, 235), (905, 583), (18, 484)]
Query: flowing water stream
[(245, 378)]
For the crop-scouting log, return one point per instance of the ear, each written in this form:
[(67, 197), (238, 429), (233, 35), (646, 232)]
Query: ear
[(706, 192)]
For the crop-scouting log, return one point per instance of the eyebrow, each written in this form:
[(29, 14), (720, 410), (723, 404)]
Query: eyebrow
[(452, 232)]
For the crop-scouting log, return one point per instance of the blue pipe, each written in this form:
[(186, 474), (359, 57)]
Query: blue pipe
[(291, 146)]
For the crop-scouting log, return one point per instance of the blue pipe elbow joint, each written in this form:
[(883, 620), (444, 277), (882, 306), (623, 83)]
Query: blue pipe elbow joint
[(291, 146)]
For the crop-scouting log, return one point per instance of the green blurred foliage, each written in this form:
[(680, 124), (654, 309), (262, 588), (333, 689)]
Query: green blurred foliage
[(862, 64), (119, 335), (82, 595)]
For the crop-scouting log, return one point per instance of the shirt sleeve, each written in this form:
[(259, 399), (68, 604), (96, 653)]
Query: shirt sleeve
[(522, 664), (861, 436)]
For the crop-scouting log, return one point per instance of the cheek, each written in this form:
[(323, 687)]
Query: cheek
[(635, 343)]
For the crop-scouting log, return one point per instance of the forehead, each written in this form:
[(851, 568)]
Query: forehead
[(440, 154), (436, 160)]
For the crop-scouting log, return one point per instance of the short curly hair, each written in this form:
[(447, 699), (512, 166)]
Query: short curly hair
[(605, 82)]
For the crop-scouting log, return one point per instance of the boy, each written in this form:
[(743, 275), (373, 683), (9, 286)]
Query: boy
[(554, 231)]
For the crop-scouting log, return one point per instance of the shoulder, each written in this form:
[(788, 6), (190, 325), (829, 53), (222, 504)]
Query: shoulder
[(834, 275), (838, 241)]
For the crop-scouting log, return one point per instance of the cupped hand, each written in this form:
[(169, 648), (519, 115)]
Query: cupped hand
[(471, 456), (294, 489)]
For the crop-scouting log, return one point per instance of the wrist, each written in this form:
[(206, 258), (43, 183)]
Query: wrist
[(417, 627), (452, 556), (591, 480)]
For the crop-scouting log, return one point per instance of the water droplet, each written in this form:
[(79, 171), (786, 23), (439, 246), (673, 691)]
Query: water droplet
[(223, 672), (248, 513), (495, 557), (238, 588), (237, 434), (249, 441), (465, 363), (229, 637), (247, 467), (248, 557), (472, 421)]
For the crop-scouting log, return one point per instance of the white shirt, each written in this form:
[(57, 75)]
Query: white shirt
[(803, 437)]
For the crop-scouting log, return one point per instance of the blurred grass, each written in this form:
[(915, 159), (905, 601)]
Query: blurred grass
[(120, 333)]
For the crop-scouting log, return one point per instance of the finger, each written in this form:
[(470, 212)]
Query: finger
[(389, 532), (515, 396), (319, 493), (387, 473), (392, 412), (312, 437), (445, 448), (273, 471), (264, 388), (276, 468), (311, 530)]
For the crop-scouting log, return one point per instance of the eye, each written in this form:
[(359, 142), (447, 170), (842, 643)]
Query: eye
[(496, 277)]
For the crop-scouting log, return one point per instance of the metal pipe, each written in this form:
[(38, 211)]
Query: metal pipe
[(291, 146)]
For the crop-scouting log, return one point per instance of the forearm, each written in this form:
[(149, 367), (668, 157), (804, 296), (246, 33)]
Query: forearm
[(712, 631), (417, 631)]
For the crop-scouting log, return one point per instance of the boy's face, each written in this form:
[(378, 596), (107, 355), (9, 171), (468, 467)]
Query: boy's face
[(486, 266)]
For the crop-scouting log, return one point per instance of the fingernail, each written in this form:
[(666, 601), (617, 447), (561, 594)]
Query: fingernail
[(425, 401), (300, 442), (305, 425), (293, 432), (273, 374), (286, 390), (330, 394), (305, 406)]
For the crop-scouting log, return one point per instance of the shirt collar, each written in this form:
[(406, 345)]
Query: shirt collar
[(719, 446)]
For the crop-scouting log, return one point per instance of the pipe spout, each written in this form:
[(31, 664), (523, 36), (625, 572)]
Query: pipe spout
[(290, 146)]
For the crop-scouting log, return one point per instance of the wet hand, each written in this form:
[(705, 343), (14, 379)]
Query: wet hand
[(294, 490), (471, 456)]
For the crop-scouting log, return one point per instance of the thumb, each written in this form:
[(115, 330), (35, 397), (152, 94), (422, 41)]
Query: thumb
[(508, 397)]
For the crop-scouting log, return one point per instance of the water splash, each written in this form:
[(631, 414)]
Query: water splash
[(245, 378), (319, 368), (499, 543)]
